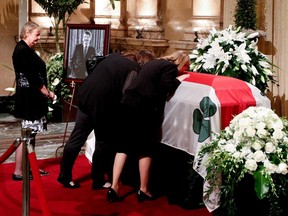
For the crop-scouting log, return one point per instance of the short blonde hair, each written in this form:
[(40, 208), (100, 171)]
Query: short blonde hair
[(180, 58), (28, 27)]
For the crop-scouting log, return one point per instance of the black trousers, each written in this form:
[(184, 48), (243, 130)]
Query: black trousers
[(103, 156), (83, 127)]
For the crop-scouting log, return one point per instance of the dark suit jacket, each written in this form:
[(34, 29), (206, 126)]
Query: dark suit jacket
[(101, 92), (77, 68)]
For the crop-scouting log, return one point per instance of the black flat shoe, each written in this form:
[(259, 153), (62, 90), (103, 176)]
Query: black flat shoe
[(141, 196), (112, 196), (106, 185), (68, 184), (43, 172), (19, 177)]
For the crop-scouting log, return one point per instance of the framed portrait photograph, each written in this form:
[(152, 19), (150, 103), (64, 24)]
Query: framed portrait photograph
[(84, 41)]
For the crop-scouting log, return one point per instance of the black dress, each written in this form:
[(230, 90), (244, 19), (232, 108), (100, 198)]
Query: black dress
[(30, 72), (142, 107)]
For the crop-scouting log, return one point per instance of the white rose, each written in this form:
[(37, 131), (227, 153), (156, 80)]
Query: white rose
[(222, 142), (257, 145), (244, 122), (260, 125), (271, 168), (282, 168), (244, 152), (278, 124), (251, 165), (237, 154), (269, 147), (278, 134), (259, 156), (236, 136), (230, 148), (250, 132), (55, 82), (261, 132), (249, 156)]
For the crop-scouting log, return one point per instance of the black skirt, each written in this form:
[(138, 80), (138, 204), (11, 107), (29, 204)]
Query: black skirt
[(139, 130)]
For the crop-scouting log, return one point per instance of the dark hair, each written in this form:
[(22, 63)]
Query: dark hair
[(141, 57), (130, 55), (88, 33), (144, 56)]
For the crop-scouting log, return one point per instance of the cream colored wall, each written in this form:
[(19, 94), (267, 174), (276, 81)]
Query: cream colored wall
[(8, 31), (228, 12), (83, 14), (175, 18), (280, 43)]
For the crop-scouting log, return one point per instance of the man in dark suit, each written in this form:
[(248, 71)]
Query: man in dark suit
[(98, 104), (80, 55)]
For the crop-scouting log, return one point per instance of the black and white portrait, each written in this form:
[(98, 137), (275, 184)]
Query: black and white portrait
[(82, 44)]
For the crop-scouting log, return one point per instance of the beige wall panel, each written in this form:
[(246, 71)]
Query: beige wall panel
[(176, 18), (8, 32), (280, 42)]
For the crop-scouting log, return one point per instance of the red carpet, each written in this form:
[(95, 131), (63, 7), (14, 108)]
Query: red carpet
[(83, 201)]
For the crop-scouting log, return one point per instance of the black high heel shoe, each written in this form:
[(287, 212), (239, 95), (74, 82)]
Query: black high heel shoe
[(112, 196), (141, 196), (20, 177)]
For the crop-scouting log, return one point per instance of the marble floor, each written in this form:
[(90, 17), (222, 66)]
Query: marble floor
[(49, 144)]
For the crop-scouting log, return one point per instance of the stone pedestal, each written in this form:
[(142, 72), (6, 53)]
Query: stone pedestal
[(187, 45)]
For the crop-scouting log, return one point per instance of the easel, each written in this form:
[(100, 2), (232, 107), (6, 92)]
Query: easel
[(73, 86)]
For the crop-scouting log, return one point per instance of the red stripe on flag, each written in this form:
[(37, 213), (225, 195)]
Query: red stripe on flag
[(233, 94)]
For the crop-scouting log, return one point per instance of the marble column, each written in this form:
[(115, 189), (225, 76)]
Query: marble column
[(206, 14), (146, 21)]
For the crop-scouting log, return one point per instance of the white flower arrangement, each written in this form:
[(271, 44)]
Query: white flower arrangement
[(233, 53), (255, 143)]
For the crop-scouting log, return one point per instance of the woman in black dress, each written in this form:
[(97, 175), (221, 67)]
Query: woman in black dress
[(32, 94), (142, 109)]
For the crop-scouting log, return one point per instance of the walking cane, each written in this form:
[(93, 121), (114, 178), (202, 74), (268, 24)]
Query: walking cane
[(72, 84)]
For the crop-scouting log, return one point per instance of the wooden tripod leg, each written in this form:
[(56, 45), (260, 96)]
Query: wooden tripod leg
[(73, 85)]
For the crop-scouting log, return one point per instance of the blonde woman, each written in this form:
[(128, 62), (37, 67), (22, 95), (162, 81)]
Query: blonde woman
[(141, 112), (181, 59), (32, 94)]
